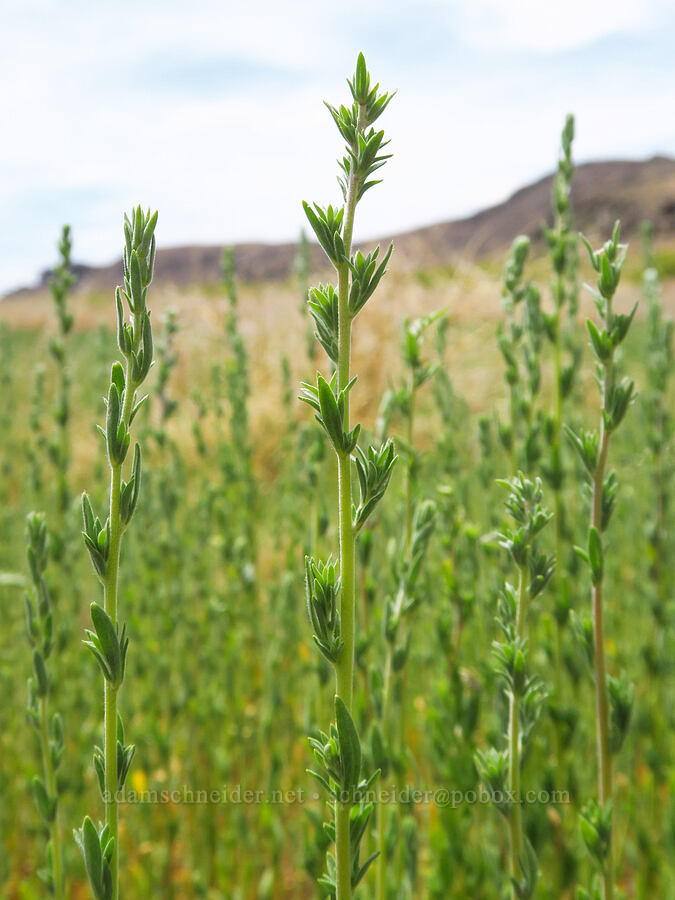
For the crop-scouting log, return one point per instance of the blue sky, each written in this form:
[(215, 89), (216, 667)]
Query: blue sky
[(211, 111)]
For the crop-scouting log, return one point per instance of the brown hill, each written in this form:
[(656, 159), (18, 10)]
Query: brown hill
[(602, 192)]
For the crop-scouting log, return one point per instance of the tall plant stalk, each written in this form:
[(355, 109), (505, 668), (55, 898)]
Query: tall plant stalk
[(108, 642), (386, 752), (520, 345), (418, 525), (60, 284), (339, 751), (560, 328), (49, 728), (501, 770), (516, 819), (613, 696), (660, 428), (302, 272)]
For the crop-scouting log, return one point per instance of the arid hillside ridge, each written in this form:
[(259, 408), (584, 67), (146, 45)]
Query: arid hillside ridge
[(602, 192)]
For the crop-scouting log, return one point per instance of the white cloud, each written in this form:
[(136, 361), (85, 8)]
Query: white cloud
[(533, 25)]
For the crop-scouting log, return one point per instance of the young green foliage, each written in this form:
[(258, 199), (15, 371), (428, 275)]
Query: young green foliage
[(60, 284), (520, 345), (500, 771), (108, 641), (331, 591), (660, 428), (302, 272), (236, 453), (40, 627), (419, 521), (166, 362), (613, 697), (565, 339)]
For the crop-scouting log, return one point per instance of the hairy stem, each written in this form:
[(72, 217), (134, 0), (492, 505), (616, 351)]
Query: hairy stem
[(410, 473), (50, 782), (344, 875), (558, 506), (516, 820), (601, 696), (513, 413), (110, 690), (345, 666), (381, 879), (408, 534)]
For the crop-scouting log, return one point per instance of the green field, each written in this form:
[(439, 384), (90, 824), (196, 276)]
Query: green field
[(224, 680), (452, 620)]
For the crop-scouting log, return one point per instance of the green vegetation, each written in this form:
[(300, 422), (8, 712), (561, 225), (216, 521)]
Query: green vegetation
[(500, 771), (331, 589), (613, 696), (40, 629), (462, 653), (103, 539)]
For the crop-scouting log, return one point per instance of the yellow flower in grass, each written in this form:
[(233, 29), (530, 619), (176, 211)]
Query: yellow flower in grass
[(139, 781)]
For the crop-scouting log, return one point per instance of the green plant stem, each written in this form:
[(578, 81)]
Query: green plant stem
[(409, 483), (557, 437), (557, 368), (381, 880), (556, 447), (110, 690), (345, 665), (110, 695), (515, 819), (558, 652), (381, 884), (601, 697), (344, 668), (50, 782), (513, 453), (342, 844), (409, 515), (64, 444), (659, 567)]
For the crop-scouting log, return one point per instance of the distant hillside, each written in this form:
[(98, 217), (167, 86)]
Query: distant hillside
[(602, 192)]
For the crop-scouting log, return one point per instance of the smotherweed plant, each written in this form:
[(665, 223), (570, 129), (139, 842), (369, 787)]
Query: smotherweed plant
[(500, 770), (330, 585), (561, 330), (520, 345), (388, 750), (237, 454), (562, 242), (613, 696), (418, 525), (55, 446), (49, 728), (108, 641), (36, 442), (302, 272), (660, 429), (60, 284), (167, 359), (453, 411)]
